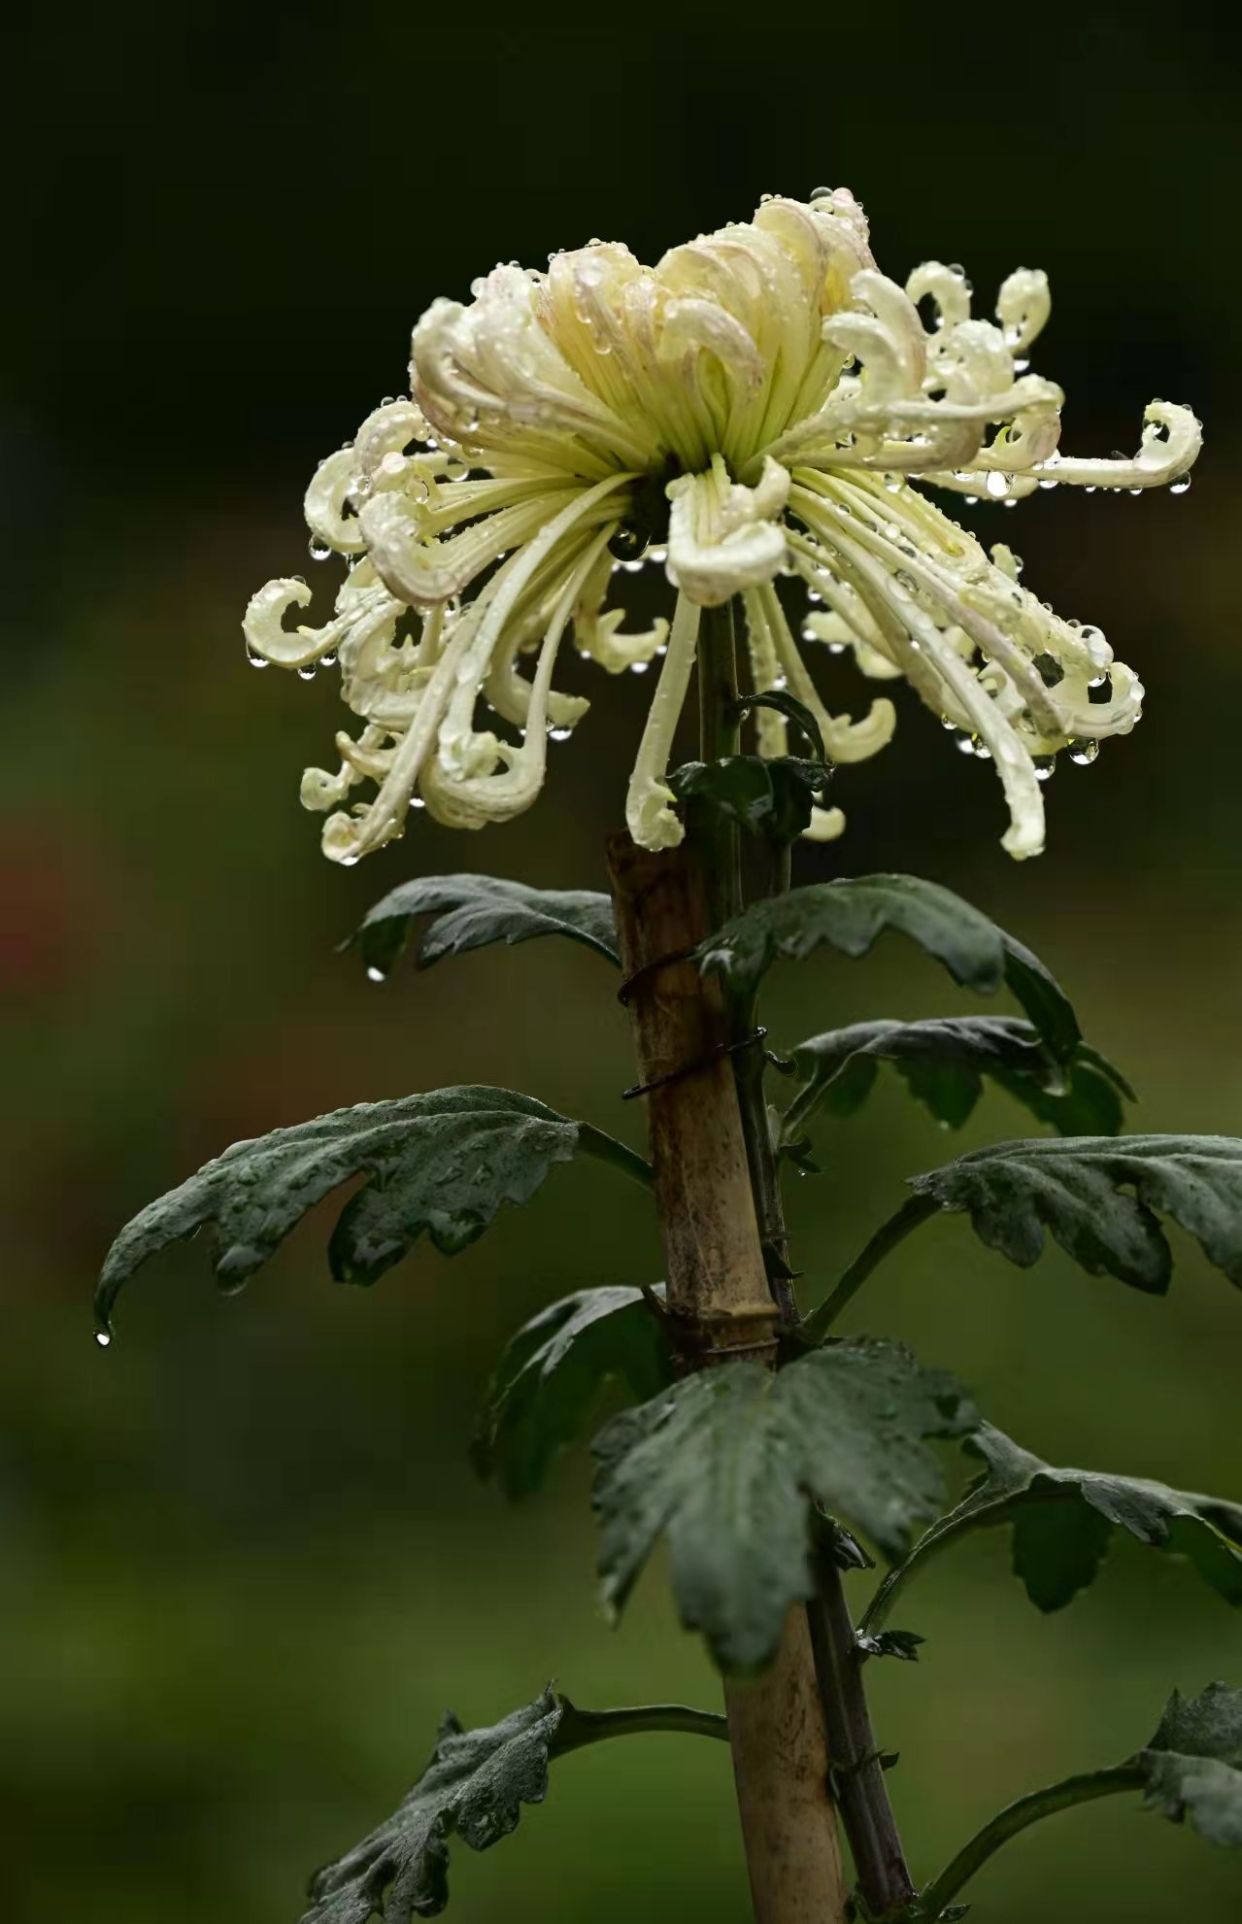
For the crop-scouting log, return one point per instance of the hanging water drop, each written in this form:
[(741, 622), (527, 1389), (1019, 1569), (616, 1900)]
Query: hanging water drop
[(1045, 767), (257, 661), (103, 1337), (639, 667), (997, 485), (307, 672), (559, 734), (318, 550), (1180, 485), (1083, 751), (375, 974)]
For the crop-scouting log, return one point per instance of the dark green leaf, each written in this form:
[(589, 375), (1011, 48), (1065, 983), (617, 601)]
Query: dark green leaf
[(1063, 1521), (473, 1788), (943, 1061), (442, 1162), (1099, 1196), (730, 1464), (764, 797), (551, 1374), (891, 1643), (1193, 1764), (473, 911), (849, 915), (792, 709)]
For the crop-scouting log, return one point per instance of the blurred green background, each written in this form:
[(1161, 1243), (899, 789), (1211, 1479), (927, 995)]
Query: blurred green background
[(243, 1565)]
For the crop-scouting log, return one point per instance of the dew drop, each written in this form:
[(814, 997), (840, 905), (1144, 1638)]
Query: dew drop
[(1046, 482), (836, 647), (639, 667), (1181, 485), (997, 485), (103, 1337), (318, 550), (416, 801), (972, 501), (375, 974), (257, 661), (1045, 767), (1091, 490), (560, 734), (307, 673), (1083, 751), (328, 660)]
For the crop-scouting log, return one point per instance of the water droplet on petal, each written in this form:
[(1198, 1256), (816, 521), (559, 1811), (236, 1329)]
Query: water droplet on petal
[(1083, 751), (307, 673), (318, 550), (639, 667), (1181, 485), (257, 661), (103, 1337), (375, 974)]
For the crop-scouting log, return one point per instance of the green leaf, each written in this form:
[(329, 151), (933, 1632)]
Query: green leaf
[(1081, 1188), (1193, 1764), (442, 1162), (943, 1061), (772, 798), (1063, 1521), (474, 1788), (792, 709), (849, 915), (730, 1464), (473, 911), (551, 1374)]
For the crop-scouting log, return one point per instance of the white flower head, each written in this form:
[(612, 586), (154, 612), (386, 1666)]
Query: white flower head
[(763, 403)]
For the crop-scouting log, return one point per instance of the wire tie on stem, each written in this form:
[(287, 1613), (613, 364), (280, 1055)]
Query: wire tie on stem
[(696, 1067)]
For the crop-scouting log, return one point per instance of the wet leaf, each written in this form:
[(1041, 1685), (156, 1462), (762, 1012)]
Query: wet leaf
[(551, 1375), (729, 1465), (442, 1163), (1101, 1196), (849, 915), (943, 1061), (474, 1788), (474, 911)]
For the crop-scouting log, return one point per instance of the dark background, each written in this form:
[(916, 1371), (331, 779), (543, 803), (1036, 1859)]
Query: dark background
[(243, 1566)]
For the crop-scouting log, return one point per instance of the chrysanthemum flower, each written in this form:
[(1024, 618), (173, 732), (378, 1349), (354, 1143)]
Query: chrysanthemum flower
[(758, 407)]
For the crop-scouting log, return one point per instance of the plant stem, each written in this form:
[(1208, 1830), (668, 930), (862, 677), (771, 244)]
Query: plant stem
[(718, 845), (858, 1774), (857, 1778), (1017, 1817), (598, 1143), (580, 1727), (941, 1534), (915, 1210), (719, 732)]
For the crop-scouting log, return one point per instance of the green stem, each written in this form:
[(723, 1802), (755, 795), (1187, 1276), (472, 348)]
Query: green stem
[(958, 1523), (605, 1148), (720, 715), (1017, 1817), (915, 1210), (578, 1728), (719, 734)]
